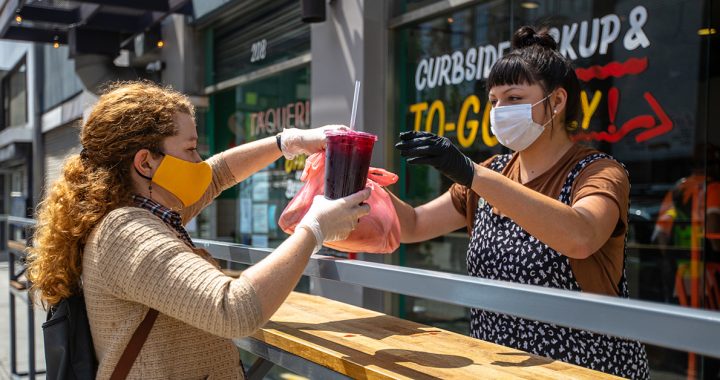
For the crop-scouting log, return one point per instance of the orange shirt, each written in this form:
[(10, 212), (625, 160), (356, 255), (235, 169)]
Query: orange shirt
[(600, 273), (687, 202)]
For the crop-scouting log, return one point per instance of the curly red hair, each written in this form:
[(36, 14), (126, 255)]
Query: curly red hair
[(129, 116)]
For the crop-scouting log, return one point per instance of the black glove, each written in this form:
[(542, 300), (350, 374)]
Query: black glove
[(438, 152)]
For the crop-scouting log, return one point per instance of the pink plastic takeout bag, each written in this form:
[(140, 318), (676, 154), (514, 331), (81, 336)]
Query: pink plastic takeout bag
[(377, 232)]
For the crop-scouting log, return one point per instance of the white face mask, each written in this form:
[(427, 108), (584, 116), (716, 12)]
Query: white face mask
[(514, 126)]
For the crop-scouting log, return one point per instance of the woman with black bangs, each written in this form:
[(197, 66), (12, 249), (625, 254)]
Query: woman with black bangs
[(553, 213)]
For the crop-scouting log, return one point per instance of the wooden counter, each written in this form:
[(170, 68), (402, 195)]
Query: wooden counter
[(364, 344)]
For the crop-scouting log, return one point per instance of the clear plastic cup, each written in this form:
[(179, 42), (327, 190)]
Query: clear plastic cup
[(347, 160)]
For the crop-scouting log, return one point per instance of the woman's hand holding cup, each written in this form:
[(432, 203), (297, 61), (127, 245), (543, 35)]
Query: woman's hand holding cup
[(333, 220), (295, 141)]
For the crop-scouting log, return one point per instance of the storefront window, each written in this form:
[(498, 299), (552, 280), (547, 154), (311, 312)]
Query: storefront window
[(60, 82), (640, 102), (251, 112), (18, 192), (258, 56), (14, 96)]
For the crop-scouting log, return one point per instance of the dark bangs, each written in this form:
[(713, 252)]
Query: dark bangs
[(537, 64), (512, 69)]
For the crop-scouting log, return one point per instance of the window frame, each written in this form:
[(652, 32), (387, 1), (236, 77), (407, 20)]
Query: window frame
[(5, 81)]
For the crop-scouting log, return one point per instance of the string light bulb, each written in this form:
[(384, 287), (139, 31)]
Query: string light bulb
[(18, 19), (160, 43), (706, 31), (56, 44)]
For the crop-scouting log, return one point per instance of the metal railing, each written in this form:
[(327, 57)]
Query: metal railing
[(14, 235), (669, 326)]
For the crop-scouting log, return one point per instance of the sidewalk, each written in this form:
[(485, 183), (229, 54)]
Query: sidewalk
[(21, 328)]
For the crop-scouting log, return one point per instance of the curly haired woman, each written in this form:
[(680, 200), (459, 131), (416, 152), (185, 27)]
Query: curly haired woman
[(112, 227)]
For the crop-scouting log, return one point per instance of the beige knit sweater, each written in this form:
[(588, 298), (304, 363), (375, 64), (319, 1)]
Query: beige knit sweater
[(133, 261)]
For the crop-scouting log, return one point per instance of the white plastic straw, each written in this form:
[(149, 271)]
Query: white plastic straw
[(354, 105)]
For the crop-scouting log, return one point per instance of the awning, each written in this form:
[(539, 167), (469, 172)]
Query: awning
[(88, 27)]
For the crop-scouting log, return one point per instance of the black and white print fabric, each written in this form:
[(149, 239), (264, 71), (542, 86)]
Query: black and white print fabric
[(501, 250)]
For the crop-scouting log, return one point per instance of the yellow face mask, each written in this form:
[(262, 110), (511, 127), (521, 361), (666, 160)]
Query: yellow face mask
[(186, 180)]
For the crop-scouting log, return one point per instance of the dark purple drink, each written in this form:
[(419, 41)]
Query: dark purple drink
[(347, 160)]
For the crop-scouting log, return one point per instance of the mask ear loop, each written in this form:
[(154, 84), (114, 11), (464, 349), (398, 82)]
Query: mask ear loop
[(146, 177), (552, 115)]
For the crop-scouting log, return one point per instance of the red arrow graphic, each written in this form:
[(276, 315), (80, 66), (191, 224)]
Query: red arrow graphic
[(666, 125), (638, 122)]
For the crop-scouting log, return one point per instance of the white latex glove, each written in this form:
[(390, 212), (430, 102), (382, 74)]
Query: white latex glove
[(294, 141), (333, 220)]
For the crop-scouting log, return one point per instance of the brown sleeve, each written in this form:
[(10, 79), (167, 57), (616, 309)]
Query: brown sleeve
[(607, 178), (465, 200), (458, 194)]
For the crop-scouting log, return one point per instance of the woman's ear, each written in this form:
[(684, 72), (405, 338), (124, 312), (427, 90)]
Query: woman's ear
[(143, 163), (558, 100)]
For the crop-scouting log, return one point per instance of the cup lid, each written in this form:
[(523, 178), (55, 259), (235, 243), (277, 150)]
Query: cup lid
[(351, 133)]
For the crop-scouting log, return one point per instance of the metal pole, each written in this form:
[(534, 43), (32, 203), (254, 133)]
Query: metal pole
[(13, 335), (31, 337), (32, 371), (38, 148), (38, 178)]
